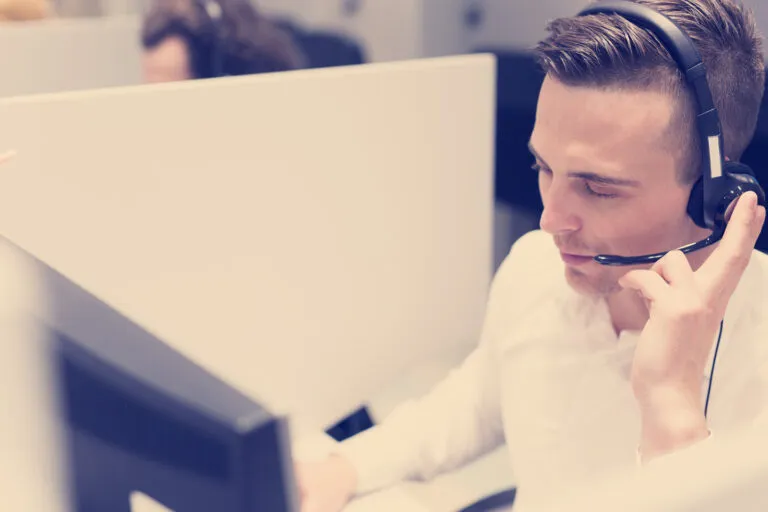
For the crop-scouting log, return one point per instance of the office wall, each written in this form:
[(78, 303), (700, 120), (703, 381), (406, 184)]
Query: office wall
[(387, 30), (520, 24), (307, 236), (69, 54), (299, 10), (445, 29), (516, 24), (760, 8), (397, 29)]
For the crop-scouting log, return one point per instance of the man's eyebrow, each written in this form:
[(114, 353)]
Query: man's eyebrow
[(590, 176), (536, 154)]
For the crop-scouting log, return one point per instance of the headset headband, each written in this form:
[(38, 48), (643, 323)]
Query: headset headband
[(214, 14), (688, 60)]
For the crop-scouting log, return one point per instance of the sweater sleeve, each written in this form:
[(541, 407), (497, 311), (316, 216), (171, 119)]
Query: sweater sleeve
[(457, 421)]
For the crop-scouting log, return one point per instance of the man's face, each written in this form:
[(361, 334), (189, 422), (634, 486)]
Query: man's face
[(167, 62), (609, 179)]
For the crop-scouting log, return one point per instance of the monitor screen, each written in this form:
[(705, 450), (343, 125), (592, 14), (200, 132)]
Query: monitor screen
[(139, 417)]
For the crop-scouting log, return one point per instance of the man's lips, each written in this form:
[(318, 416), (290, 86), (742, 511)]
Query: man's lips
[(575, 259)]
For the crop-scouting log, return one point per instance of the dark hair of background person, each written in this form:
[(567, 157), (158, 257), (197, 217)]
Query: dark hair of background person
[(246, 41)]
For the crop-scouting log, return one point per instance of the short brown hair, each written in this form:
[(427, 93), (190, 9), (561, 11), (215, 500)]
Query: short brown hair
[(247, 41), (609, 51)]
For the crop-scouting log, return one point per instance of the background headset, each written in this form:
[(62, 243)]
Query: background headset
[(721, 181), (214, 62)]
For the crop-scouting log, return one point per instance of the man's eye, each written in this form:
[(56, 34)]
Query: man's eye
[(595, 193)]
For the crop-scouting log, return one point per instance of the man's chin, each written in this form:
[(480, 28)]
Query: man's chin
[(589, 285)]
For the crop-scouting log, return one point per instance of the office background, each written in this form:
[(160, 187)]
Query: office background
[(87, 44)]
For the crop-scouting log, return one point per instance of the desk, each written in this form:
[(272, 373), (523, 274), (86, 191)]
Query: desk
[(314, 447), (317, 446), (390, 500)]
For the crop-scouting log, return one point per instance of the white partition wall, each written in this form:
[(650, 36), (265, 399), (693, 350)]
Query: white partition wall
[(306, 235), (69, 54)]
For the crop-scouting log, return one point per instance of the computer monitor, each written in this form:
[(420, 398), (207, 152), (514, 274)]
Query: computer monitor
[(137, 416)]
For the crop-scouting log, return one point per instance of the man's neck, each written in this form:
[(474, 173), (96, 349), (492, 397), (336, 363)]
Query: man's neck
[(628, 311)]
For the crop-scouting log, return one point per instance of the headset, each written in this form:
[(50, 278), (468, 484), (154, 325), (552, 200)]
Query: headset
[(721, 181), (213, 13)]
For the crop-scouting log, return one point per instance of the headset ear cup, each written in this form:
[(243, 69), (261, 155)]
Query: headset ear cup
[(731, 167), (737, 179), (737, 168), (696, 203)]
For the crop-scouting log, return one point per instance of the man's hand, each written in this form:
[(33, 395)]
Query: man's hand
[(326, 486), (685, 310)]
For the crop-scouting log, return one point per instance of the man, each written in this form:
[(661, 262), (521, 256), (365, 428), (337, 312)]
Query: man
[(583, 369), (188, 39)]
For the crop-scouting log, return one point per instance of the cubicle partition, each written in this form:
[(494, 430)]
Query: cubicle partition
[(306, 236), (69, 54)]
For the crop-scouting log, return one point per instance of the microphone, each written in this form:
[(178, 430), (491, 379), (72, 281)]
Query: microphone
[(615, 261)]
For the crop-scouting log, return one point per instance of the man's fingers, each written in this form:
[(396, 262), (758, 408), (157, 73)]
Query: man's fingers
[(647, 282), (743, 228), (727, 262), (675, 269)]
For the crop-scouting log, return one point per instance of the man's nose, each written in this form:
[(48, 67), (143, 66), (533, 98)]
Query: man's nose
[(559, 216)]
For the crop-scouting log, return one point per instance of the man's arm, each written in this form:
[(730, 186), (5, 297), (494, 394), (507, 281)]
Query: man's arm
[(685, 308), (726, 472), (456, 421), (460, 418)]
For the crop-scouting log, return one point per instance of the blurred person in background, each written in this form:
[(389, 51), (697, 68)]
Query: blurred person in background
[(188, 39)]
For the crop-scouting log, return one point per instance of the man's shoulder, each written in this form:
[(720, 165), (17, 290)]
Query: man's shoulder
[(528, 280), (750, 298), (535, 250), (759, 259), (533, 264), (756, 272), (754, 281)]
